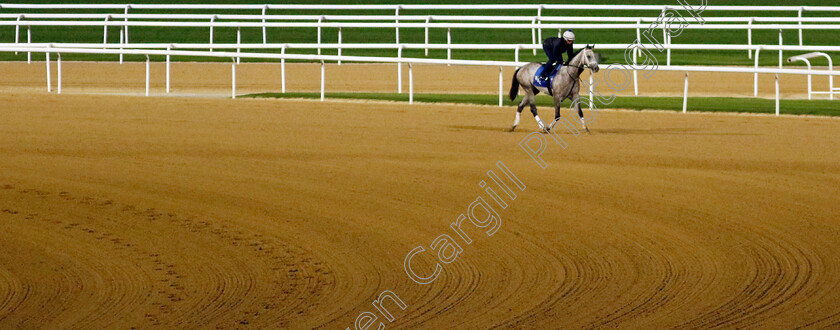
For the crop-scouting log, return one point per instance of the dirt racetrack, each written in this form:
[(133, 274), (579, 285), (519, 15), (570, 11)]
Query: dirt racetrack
[(125, 211)]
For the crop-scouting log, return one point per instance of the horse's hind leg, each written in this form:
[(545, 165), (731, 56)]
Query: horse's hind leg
[(519, 112), (536, 114)]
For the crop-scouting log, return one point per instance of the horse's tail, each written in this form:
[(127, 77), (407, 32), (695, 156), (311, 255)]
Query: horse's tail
[(514, 86)]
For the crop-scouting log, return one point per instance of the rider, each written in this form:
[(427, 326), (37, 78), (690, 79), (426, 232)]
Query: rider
[(554, 49)]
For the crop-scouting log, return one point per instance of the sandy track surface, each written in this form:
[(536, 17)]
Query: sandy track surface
[(191, 212), (215, 79)]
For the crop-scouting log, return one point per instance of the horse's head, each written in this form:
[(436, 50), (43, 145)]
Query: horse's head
[(590, 58)]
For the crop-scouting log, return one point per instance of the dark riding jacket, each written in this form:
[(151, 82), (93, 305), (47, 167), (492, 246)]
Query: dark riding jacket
[(554, 49)]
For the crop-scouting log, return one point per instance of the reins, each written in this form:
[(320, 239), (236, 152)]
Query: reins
[(579, 67)]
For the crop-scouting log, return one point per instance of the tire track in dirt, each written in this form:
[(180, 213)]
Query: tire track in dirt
[(119, 269), (162, 276), (641, 268), (12, 290), (567, 272), (681, 236), (237, 264), (287, 275), (780, 273)]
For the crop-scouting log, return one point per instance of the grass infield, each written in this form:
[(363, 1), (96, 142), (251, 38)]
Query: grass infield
[(93, 34), (704, 104)]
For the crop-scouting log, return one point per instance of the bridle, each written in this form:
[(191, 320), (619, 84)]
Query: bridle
[(580, 67), (585, 62), (585, 59)]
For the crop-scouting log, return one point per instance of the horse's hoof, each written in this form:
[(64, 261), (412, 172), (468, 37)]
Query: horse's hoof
[(553, 123), (587, 130), (512, 128)]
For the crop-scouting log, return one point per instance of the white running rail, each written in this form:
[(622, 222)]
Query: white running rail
[(323, 58)]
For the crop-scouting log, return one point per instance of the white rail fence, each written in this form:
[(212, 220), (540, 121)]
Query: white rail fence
[(323, 58), (536, 23), (806, 58), (396, 8), (638, 26), (536, 33), (515, 48)]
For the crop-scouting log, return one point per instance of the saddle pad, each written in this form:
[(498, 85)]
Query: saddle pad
[(544, 83)]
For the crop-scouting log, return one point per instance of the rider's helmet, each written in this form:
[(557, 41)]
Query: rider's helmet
[(569, 35)]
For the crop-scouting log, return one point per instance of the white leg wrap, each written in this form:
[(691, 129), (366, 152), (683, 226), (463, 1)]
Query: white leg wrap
[(539, 121), (516, 122)]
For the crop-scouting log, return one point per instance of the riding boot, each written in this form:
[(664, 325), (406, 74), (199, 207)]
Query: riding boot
[(546, 72)]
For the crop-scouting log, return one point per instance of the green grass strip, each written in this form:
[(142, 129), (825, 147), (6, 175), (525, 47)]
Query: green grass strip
[(707, 104)]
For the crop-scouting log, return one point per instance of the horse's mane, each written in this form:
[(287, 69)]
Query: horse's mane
[(576, 59), (576, 55)]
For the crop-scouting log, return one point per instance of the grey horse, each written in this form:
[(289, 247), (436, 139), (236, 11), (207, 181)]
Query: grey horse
[(565, 85)]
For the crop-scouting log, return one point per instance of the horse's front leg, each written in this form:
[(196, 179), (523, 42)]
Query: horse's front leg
[(557, 101), (580, 114), (530, 99), (536, 114)]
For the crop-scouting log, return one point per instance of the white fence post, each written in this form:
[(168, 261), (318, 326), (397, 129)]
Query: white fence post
[(339, 45), (28, 41), (397, 21), (749, 36), (320, 20), (808, 63), (830, 79), (800, 24), (283, 69), (780, 50), (635, 54), (516, 53), (147, 74), (212, 19), (126, 21), (666, 38), (501, 88), (755, 76), (17, 31), (105, 30), (49, 75), (168, 48), (233, 78), (58, 68), (265, 38), (809, 78), (538, 21), (639, 30), (322, 81), (448, 45), (426, 33), (777, 94), (399, 70), (122, 38), (238, 42), (410, 84), (534, 35), (685, 94)]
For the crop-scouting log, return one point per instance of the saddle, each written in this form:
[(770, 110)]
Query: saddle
[(540, 82)]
